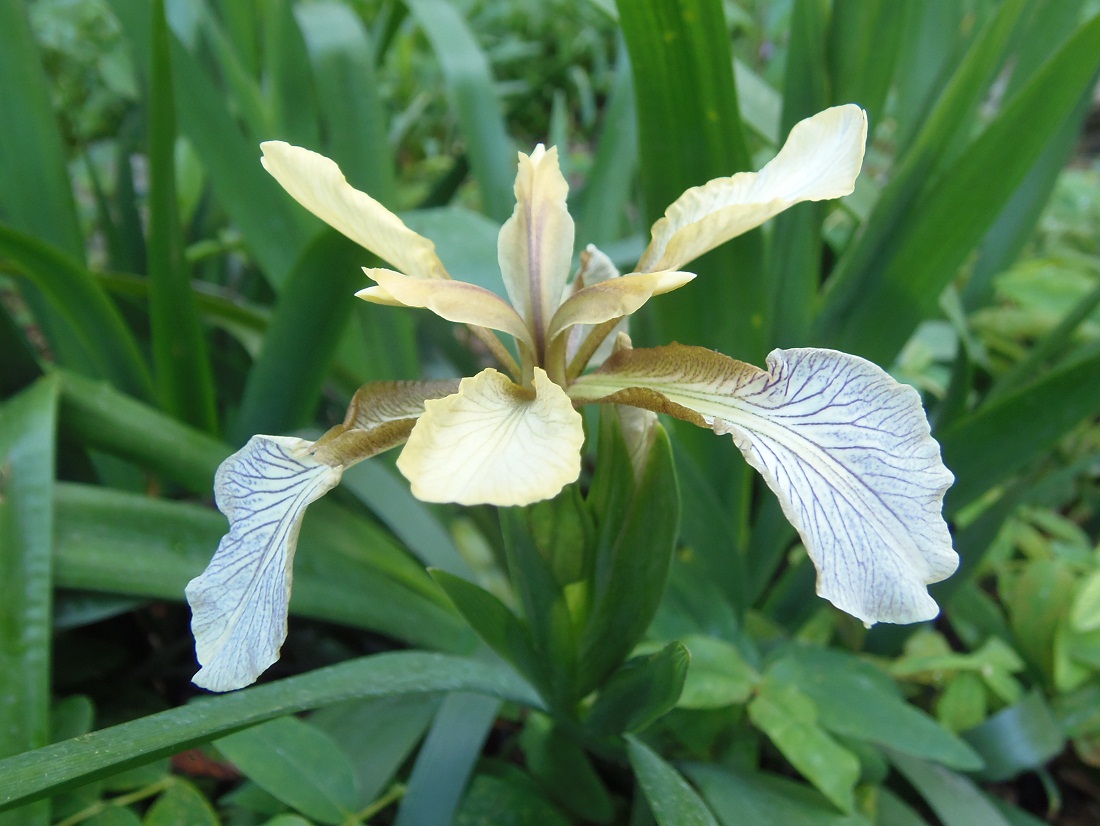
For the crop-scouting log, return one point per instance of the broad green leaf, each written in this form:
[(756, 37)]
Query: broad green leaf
[(1038, 600), (854, 699), (639, 693), (63, 765), (377, 735), (28, 425), (298, 764), (671, 800), (718, 676), (955, 799), (183, 375), (181, 805), (749, 797), (447, 758), (506, 799), (74, 296), (1085, 615), (467, 74), (1019, 738), (564, 771), (789, 718)]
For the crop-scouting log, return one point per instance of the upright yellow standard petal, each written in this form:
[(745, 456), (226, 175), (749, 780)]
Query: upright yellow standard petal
[(535, 245), (614, 298), (495, 443), (239, 603), (820, 160), (455, 301), (845, 448), (318, 184)]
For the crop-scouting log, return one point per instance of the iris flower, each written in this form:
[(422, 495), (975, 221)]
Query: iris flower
[(845, 448)]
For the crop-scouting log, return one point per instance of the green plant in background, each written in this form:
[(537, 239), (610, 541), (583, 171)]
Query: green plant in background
[(179, 303)]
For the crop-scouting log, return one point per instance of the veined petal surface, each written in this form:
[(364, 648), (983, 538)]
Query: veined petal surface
[(495, 442), (317, 183), (535, 245), (239, 603), (614, 298), (456, 301), (845, 448), (381, 415), (820, 160)]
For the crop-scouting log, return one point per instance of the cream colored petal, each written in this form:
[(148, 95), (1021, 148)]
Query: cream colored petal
[(535, 245), (455, 301), (845, 448), (614, 298), (495, 443), (381, 416), (239, 603), (318, 184), (596, 268), (820, 160)]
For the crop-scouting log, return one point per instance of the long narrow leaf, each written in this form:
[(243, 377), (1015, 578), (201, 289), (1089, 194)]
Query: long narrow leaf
[(938, 232), (27, 435), (470, 88), (70, 763), (860, 268), (1028, 421), (313, 309), (274, 229), (184, 381), (76, 298)]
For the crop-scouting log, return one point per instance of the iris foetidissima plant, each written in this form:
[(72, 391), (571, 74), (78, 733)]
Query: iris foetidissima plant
[(845, 448)]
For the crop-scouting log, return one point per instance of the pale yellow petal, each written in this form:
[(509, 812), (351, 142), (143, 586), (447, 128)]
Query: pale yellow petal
[(317, 183), (495, 443), (535, 245), (820, 160), (239, 603), (456, 301), (614, 298), (845, 448), (381, 416)]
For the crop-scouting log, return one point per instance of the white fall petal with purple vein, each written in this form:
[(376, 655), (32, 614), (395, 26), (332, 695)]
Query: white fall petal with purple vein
[(845, 448), (239, 603)]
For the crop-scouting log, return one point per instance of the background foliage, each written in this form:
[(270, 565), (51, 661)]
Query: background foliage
[(161, 299)]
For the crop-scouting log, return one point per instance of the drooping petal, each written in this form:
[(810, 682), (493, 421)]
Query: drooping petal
[(239, 603), (535, 245), (614, 298), (495, 442), (820, 160), (845, 448), (317, 183), (456, 301)]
